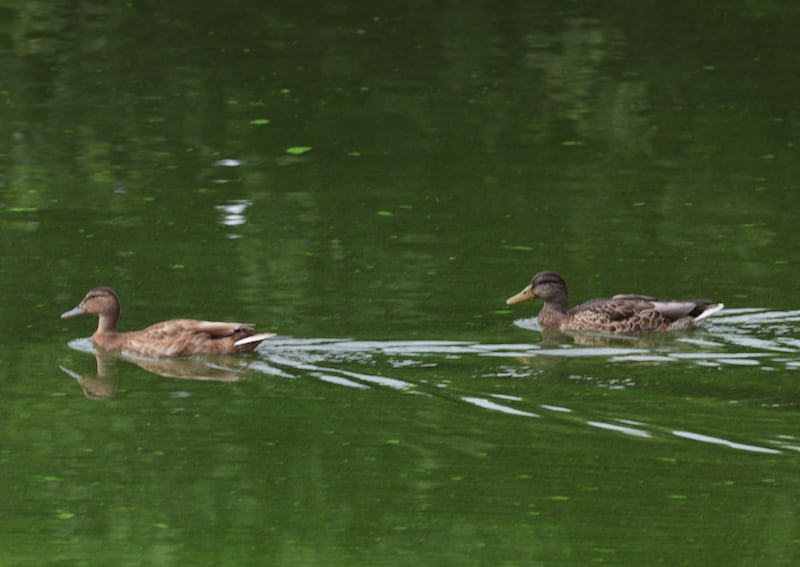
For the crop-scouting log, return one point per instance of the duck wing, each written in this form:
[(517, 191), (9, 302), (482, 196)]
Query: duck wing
[(619, 314), (617, 308), (216, 329), (181, 337), (188, 327), (672, 309), (627, 313), (240, 332)]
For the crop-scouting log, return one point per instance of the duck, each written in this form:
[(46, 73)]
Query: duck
[(620, 314), (176, 337)]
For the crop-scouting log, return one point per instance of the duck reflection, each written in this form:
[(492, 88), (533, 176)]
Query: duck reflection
[(104, 384), (649, 341), (101, 386)]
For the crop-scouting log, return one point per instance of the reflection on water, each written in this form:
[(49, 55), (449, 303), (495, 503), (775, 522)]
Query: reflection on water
[(759, 338), (233, 214), (100, 386), (103, 384)]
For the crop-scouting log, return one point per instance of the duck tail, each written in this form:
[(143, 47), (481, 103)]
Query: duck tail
[(257, 338), (709, 311)]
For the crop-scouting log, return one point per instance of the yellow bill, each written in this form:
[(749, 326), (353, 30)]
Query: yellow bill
[(525, 295)]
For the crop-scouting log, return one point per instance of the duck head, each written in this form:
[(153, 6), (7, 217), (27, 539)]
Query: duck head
[(100, 301), (548, 286)]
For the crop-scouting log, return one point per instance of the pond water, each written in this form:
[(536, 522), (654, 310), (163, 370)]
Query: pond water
[(371, 183)]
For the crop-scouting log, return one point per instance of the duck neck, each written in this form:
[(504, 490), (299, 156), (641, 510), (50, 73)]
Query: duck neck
[(551, 316), (108, 322), (554, 311), (557, 308), (557, 303)]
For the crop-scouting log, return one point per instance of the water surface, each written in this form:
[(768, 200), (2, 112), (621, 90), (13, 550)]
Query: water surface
[(371, 182)]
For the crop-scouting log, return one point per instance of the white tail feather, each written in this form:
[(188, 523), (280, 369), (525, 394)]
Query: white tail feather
[(710, 311), (253, 339)]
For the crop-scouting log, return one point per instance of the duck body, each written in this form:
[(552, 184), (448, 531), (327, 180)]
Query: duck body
[(623, 314), (177, 337)]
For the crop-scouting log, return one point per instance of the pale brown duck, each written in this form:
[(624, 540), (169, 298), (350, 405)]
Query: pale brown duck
[(625, 313), (177, 337)]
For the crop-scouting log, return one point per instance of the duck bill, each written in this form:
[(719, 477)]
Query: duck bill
[(79, 310), (525, 295)]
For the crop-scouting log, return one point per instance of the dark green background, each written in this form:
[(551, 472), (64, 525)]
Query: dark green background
[(456, 149)]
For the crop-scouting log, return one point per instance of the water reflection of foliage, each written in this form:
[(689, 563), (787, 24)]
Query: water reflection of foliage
[(131, 110)]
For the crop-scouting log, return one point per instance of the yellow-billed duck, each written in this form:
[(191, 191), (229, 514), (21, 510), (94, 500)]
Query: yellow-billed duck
[(177, 337), (626, 314)]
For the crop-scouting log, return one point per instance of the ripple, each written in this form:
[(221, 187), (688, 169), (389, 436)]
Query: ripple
[(725, 442), (746, 338), (741, 337), (494, 406), (620, 429)]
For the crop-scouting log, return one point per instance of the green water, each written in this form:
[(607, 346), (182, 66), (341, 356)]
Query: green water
[(404, 415)]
